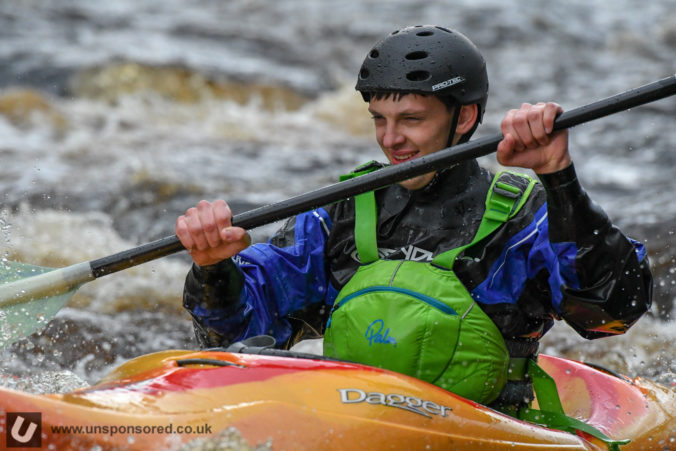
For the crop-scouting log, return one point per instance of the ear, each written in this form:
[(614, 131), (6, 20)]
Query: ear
[(467, 118)]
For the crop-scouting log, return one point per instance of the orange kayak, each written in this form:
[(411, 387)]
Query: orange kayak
[(175, 399)]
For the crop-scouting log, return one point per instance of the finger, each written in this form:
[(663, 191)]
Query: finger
[(208, 221), (507, 128), (183, 234), (506, 148), (537, 125), (192, 220), (552, 110), (232, 234), (239, 239), (522, 132), (222, 214), (212, 255)]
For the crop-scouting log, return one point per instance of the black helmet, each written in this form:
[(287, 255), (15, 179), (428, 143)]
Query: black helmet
[(429, 60)]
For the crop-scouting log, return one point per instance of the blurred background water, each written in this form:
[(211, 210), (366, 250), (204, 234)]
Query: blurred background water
[(115, 117)]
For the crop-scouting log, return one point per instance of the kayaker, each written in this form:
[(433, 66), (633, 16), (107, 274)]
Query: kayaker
[(551, 254)]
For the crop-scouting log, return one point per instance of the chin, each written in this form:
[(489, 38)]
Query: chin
[(418, 182)]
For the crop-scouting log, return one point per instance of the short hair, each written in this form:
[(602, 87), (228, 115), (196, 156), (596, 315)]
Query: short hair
[(448, 101)]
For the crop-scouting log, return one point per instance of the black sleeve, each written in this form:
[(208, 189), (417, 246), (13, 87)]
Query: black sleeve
[(615, 286), (215, 288)]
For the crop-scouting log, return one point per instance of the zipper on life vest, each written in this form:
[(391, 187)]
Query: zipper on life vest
[(414, 294)]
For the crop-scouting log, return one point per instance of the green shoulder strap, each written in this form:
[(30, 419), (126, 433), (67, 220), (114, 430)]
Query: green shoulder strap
[(503, 201), (365, 228), (367, 212), (551, 412)]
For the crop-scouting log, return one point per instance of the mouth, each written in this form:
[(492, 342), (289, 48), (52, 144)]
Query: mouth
[(401, 157)]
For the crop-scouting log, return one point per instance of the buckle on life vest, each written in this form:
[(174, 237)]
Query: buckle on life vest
[(502, 201), (362, 169)]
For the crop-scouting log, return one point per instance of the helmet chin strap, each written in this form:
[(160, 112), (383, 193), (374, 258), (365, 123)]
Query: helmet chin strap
[(454, 124)]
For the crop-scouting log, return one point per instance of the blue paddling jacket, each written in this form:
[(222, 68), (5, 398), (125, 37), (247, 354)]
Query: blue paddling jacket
[(560, 257)]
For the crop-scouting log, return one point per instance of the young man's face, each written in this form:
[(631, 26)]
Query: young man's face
[(410, 127)]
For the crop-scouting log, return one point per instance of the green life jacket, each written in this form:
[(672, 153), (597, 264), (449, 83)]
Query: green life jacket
[(417, 318)]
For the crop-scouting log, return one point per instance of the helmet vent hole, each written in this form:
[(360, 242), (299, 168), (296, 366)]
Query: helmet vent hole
[(418, 75), (419, 55), (364, 73), (374, 53), (425, 33)]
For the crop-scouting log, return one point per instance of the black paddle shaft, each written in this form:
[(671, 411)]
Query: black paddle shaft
[(387, 176)]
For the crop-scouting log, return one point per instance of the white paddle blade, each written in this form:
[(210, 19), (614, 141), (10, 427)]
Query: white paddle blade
[(30, 296)]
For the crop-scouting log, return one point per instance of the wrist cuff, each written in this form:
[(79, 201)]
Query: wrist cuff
[(562, 187)]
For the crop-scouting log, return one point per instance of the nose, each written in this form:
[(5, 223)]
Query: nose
[(392, 137)]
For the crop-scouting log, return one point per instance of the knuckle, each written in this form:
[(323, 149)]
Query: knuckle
[(227, 210), (521, 117), (209, 227), (222, 207), (508, 119), (194, 228)]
